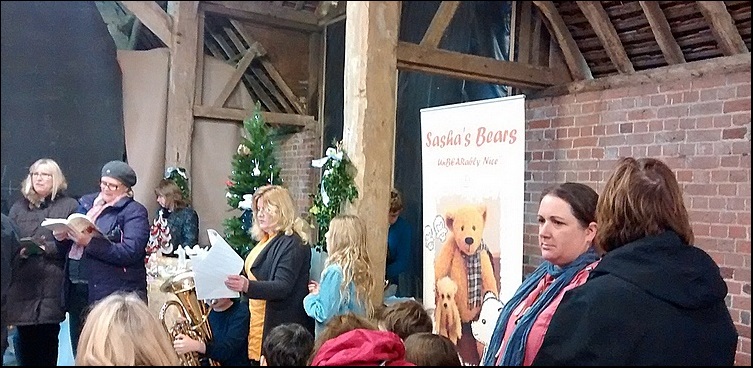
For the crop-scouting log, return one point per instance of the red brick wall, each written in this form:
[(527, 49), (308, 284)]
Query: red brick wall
[(294, 154), (699, 126)]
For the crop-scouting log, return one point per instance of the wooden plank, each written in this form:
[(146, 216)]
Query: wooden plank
[(235, 77), (260, 51), (153, 17), (370, 94), (199, 95), (573, 57), (271, 70), (181, 85), (723, 27), (439, 23), (524, 34), (266, 14), (463, 66), (602, 25), (237, 115), (684, 72), (315, 69), (662, 32)]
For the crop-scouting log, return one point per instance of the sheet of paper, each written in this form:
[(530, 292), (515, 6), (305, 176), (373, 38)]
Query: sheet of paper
[(211, 271)]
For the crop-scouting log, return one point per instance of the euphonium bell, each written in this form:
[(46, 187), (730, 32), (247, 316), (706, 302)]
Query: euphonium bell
[(195, 324)]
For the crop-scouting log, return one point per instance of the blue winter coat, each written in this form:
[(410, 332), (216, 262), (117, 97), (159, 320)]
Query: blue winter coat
[(118, 262)]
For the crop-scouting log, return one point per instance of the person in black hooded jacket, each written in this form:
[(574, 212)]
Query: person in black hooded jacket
[(654, 299)]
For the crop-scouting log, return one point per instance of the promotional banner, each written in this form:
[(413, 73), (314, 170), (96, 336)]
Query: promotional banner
[(473, 184)]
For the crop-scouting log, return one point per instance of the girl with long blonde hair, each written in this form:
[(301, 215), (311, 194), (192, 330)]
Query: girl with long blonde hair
[(346, 281)]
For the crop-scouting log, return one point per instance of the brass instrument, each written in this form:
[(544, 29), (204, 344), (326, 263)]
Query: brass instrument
[(194, 312)]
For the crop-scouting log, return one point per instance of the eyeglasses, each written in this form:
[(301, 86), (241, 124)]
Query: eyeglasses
[(41, 175), (109, 186)]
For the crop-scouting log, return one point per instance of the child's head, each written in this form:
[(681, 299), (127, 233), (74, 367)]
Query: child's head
[(288, 344), (339, 325), (405, 318), (428, 349), (346, 243), (120, 330)]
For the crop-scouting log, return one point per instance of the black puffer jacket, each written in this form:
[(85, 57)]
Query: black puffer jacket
[(655, 301), (35, 295)]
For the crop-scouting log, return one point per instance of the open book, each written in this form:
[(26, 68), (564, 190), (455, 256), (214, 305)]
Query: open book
[(33, 245), (76, 222)]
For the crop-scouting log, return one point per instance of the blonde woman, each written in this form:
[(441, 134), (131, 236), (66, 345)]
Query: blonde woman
[(121, 331), (276, 269), (346, 280), (34, 301)]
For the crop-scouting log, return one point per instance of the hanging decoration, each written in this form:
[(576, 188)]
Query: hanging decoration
[(336, 188)]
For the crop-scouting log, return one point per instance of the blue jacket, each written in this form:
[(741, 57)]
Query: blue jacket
[(116, 263), (398, 250), (329, 302)]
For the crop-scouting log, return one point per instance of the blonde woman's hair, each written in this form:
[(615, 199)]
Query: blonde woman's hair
[(278, 200), (121, 331), (59, 184), (347, 248)]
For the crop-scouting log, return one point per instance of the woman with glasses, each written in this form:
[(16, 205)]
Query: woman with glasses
[(34, 301), (277, 268), (100, 265)]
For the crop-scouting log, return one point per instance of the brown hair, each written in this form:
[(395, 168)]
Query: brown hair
[(406, 318), (396, 201), (339, 325), (172, 193), (641, 198), (431, 350), (581, 198)]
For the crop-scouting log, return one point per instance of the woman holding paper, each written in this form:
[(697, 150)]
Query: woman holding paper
[(101, 265), (34, 300), (277, 268)]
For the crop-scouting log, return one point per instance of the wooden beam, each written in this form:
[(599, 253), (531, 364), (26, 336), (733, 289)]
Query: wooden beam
[(602, 25), (271, 70), (236, 76), (370, 95), (716, 66), (238, 115), (723, 27), (315, 68), (662, 32), (153, 17), (265, 13), (439, 23), (525, 33), (573, 57), (199, 95), (181, 85), (463, 66)]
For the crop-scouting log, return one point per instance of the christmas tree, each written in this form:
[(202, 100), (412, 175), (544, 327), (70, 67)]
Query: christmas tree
[(254, 166)]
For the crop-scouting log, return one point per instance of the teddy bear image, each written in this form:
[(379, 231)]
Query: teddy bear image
[(483, 327), (465, 259), (446, 314)]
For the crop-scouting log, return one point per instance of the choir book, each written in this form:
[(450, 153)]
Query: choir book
[(76, 222)]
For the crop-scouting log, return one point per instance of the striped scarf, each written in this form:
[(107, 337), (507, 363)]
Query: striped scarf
[(473, 265), (514, 351)]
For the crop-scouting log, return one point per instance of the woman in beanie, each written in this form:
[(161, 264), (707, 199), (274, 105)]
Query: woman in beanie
[(99, 266)]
